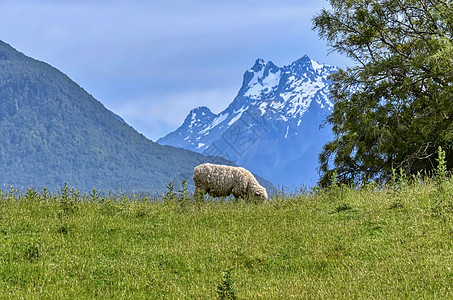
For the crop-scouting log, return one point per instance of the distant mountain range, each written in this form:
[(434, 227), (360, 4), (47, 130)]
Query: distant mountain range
[(52, 131), (272, 127)]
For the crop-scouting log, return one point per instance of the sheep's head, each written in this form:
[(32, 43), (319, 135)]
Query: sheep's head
[(260, 193)]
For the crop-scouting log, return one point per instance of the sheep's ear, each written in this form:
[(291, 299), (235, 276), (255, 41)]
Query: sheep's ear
[(257, 193)]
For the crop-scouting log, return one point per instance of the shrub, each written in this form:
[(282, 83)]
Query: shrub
[(225, 290)]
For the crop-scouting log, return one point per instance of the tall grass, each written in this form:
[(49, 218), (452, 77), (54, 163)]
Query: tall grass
[(370, 242)]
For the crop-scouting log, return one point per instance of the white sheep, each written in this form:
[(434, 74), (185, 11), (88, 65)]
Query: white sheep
[(222, 181)]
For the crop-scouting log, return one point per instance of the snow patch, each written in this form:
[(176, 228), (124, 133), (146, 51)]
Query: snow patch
[(215, 122), (193, 119), (219, 119), (271, 80), (262, 107), (254, 92), (266, 84), (298, 99), (277, 104), (316, 66), (239, 114)]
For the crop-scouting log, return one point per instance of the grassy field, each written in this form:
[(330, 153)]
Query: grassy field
[(341, 243)]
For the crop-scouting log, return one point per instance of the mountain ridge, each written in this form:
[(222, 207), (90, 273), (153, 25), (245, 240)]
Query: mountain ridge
[(54, 132), (276, 114)]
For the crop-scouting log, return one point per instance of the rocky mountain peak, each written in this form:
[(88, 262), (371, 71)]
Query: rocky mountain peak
[(258, 66)]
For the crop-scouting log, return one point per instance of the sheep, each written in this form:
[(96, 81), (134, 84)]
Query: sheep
[(222, 181)]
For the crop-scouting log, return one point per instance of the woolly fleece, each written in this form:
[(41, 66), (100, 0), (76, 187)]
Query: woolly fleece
[(222, 181)]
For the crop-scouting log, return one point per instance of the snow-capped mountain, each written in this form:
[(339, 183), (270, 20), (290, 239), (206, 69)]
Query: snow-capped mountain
[(272, 127)]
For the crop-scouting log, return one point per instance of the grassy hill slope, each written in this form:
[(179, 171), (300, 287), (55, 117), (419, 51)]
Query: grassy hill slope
[(342, 243)]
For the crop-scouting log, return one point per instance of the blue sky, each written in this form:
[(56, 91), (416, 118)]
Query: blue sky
[(151, 62)]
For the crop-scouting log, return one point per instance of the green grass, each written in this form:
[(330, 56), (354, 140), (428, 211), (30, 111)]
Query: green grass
[(341, 243)]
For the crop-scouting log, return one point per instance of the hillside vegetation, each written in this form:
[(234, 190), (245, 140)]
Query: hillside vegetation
[(52, 131), (339, 243)]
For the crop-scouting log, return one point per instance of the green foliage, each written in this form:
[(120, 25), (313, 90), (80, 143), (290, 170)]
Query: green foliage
[(342, 207), (170, 195), (68, 198), (398, 181), (45, 193), (225, 290), (32, 194), (392, 109), (441, 170), (183, 194), (443, 196), (32, 251), (95, 195)]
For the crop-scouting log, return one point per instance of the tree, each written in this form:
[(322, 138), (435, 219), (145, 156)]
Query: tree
[(393, 108)]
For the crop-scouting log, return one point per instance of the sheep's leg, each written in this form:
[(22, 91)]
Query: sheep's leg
[(198, 194), (236, 191)]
